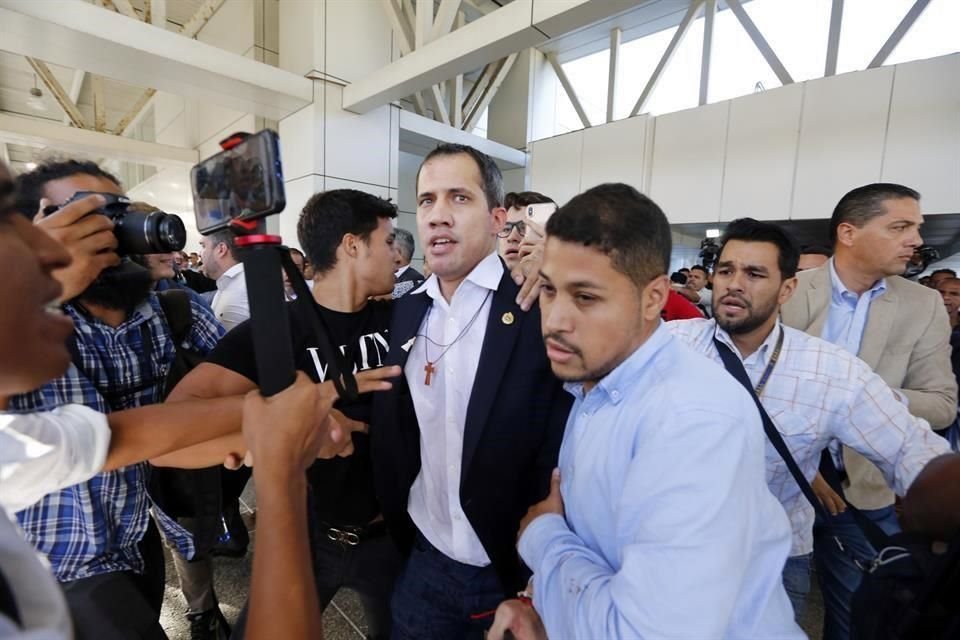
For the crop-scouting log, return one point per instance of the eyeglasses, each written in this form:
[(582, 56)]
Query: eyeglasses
[(508, 228)]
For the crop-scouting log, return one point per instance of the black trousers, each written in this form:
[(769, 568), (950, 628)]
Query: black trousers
[(369, 568), (122, 605)]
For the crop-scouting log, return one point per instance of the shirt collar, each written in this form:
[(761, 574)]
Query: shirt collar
[(399, 272), (486, 275), (762, 354), (841, 292), (230, 274), (616, 384)]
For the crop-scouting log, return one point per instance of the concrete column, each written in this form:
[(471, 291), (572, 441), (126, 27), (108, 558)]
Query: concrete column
[(323, 146)]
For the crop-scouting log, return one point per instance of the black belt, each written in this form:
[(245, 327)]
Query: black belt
[(353, 535)]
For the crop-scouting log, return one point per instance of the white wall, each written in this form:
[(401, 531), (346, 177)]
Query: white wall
[(787, 153)]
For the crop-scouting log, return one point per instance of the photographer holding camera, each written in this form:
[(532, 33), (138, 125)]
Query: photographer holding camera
[(97, 535)]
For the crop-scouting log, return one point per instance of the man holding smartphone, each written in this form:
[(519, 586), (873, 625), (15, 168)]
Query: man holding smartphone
[(511, 238)]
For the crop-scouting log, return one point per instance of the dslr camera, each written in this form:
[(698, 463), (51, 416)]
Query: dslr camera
[(137, 232)]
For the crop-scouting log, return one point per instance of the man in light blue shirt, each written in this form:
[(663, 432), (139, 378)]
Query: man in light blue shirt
[(659, 523)]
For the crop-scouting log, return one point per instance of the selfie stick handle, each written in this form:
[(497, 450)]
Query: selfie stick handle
[(272, 348)]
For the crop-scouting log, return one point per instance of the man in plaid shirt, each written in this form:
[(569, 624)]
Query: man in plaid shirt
[(97, 535), (815, 392)]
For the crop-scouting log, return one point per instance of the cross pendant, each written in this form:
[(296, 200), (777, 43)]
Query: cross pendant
[(429, 369)]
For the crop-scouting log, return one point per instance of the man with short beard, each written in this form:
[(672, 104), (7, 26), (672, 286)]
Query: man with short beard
[(97, 535), (814, 391)]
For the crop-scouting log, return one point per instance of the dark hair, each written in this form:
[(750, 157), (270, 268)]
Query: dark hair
[(404, 240), (525, 199), (621, 222), (490, 176), (816, 250), (227, 237), (750, 230), (863, 204), (684, 269), (295, 250), (330, 215), (678, 277), (700, 267), (30, 185), (953, 274)]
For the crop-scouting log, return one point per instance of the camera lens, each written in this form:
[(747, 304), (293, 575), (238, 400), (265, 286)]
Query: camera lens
[(143, 233)]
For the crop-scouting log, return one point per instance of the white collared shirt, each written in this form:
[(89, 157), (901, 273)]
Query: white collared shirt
[(399, 272), (818, 392), (40, 453), (441, 407), (230, 303)]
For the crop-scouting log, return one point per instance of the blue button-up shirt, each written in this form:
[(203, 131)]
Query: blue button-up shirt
[(669, 528), (847, 317), (94, 527)]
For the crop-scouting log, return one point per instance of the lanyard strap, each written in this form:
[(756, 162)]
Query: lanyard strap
[(770, 365)]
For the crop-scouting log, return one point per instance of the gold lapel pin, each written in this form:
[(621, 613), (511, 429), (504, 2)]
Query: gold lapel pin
[(507, 318)]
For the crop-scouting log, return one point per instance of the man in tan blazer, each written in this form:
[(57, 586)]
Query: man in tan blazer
[(858, 301)]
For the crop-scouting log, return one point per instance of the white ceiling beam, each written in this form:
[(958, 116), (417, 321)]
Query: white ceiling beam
[(76, 86), (455, 94), (760, 42), (125, 8), (438, 104), (514, 27), (44, 133), (135, 111), (671, 49), (79, 35), (158, 13), (613, 70), (568, 88), (709, 16), (833, 39), (491, 91), (426, 133), (486, 77), (54, 86), (400, 26), (898, 33), (200, 19), (446, 16), (423, 23), (99, 106)]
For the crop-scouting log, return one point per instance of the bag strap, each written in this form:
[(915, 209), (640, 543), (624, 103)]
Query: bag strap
[(339, 372), (734, 366), (176, 306)]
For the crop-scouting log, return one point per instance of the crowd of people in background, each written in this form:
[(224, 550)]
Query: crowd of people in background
[(555, 436)]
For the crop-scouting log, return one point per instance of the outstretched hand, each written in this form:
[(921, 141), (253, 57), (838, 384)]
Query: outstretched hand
[(299, 425)]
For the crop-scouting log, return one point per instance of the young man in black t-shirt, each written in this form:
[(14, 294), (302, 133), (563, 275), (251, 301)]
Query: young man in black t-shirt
[(348, 237)]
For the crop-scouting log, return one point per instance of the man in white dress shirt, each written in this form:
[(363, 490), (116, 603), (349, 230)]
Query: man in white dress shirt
[(220, 263), (814, 391)]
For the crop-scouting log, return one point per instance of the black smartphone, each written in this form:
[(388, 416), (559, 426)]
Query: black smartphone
[(243, 182)]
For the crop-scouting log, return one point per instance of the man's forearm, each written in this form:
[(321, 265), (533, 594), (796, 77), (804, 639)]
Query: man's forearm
[(149, 432), (282, 576)]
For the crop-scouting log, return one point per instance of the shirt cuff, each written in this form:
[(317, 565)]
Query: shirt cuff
[(537, 536)]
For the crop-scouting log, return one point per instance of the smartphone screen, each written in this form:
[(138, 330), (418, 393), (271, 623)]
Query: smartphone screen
[(540, 213), (243, 182)]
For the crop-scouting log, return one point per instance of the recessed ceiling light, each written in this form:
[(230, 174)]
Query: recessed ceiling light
[(30, 166), (713, 233)]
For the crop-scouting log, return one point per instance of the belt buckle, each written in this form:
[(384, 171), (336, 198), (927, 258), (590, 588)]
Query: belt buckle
[(343, 537)]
